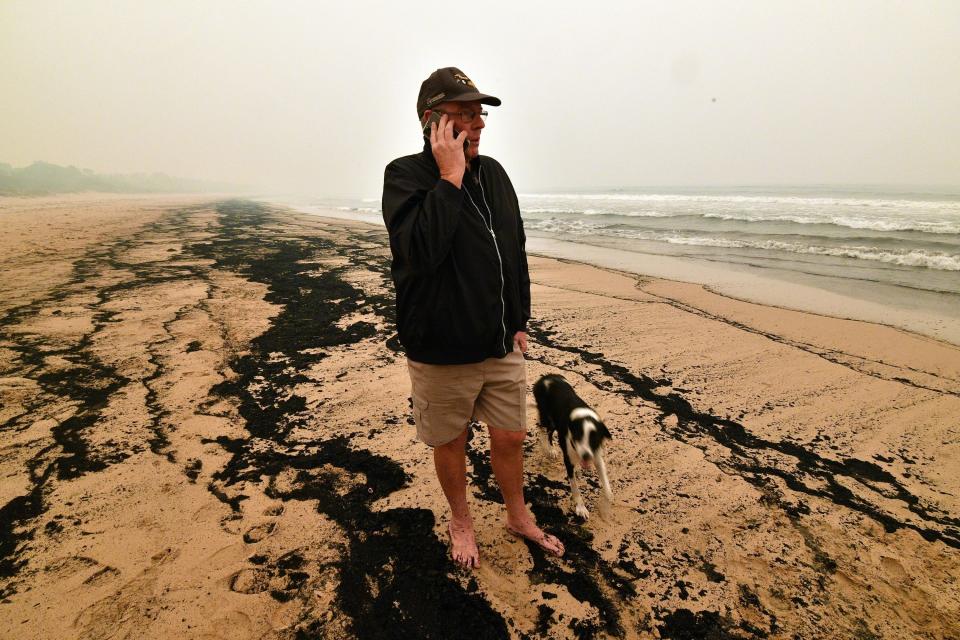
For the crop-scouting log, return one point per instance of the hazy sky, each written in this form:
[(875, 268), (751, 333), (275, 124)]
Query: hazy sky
[(317, 97)]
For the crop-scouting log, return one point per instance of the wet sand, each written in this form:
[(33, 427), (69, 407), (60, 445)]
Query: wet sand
[(929, 313), (207, 434)]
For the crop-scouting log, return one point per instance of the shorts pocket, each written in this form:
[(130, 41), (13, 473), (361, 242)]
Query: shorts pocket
[(439, 422), (419, 409)]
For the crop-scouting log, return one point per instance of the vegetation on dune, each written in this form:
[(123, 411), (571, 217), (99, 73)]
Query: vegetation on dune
[(45, 178)]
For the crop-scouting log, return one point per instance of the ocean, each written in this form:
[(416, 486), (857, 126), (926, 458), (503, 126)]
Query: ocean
[(897, 248), (908, 238)]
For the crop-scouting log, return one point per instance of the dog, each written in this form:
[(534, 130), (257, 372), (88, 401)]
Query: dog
[(581, 434)]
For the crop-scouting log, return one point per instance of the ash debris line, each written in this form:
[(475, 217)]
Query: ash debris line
[(812, 474), (86, 385), (414, 596), (271, 412)]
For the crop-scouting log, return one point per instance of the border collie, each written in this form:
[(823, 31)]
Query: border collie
[(580, 434)]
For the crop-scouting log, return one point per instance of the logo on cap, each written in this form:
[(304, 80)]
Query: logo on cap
[(435, 99), (462, 79)]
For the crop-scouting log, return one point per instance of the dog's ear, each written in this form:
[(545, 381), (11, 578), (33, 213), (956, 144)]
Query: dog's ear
[(603, 431)]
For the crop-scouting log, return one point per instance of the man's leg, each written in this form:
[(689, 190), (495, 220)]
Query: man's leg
[(450, 461), (506, 458)]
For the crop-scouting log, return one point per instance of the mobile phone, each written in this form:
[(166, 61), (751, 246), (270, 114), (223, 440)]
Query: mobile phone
[(435, 119)]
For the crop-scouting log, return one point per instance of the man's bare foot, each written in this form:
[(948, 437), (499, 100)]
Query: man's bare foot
[(463, 544), (529, 530)]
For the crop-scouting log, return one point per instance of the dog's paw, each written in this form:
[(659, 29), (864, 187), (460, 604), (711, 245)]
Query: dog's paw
[(605, 507), (581, 510), (548, 451)]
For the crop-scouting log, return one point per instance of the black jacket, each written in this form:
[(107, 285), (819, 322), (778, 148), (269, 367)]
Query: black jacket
[(462, 290)]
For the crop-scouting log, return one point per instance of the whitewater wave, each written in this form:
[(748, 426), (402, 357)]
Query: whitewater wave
[(359, 209), (911, 257), (941, 224), (905, 257), (850, 222), (874, 203)]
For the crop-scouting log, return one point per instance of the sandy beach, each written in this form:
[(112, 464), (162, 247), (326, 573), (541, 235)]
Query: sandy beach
[(207, 434)]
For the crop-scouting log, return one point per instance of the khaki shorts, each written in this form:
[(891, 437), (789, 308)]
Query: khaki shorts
[(446, 397)]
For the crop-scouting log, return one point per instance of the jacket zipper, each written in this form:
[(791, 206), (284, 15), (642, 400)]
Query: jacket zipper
[(493, 235)]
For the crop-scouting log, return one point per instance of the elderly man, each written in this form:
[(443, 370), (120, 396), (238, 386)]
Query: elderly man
[(463, 301)]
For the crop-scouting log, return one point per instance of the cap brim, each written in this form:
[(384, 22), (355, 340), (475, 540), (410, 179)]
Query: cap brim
[(474, 96)]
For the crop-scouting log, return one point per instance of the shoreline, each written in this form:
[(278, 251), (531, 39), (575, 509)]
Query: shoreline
[(805, 293), (208, 434), (749, 284), (718, 291)]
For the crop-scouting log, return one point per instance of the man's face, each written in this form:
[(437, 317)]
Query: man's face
[(473, 127)]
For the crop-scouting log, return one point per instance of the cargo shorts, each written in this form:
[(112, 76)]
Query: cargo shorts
[(447, 397)]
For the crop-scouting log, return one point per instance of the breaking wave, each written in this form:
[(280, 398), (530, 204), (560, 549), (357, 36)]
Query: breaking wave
[(906, 256)]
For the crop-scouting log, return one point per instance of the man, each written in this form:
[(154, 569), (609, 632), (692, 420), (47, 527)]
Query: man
[(463, 301)]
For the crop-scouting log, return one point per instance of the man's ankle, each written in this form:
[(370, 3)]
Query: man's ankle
[(521, 518), (461, 521)]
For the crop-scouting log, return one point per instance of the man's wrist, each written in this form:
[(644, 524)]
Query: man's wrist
[(455, 180)]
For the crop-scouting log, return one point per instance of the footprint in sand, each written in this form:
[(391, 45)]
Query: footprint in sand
[(102, 576), (233, 625), (259, 532), (250, 581), (120, 614), (893, 567), (69, 565), (65, 568), (274, 510)]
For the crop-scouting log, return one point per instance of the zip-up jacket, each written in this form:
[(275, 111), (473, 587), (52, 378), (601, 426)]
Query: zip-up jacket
[(459, 263)]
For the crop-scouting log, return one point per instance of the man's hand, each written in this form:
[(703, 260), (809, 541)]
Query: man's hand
[(448, 150), (520, 340)]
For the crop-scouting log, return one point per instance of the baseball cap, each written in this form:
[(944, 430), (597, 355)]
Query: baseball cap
[(446, 84)]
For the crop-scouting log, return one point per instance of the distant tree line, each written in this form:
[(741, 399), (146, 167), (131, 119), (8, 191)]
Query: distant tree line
[(44, 178)]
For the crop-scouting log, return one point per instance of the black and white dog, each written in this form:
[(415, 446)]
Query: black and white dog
[(580, 434)]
